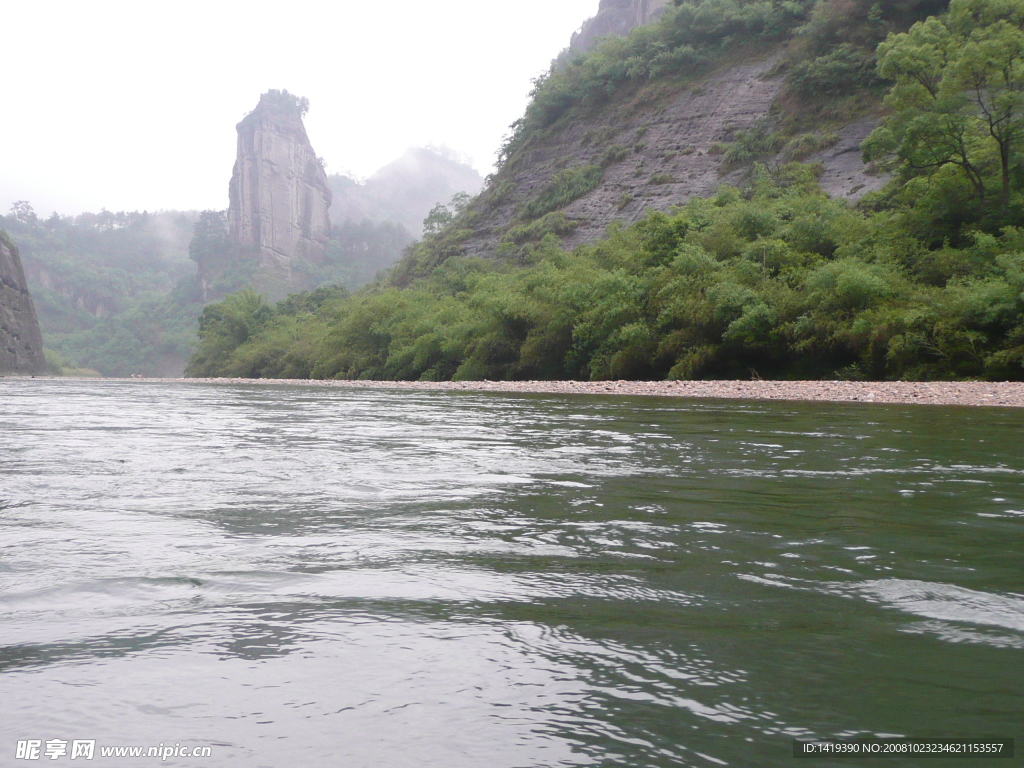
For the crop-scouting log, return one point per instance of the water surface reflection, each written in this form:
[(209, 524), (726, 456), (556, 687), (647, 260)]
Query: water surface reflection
[(322, 578)]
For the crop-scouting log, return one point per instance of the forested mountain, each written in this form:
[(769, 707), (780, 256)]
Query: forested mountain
[(692, 201), (113, 291), (119, 294)]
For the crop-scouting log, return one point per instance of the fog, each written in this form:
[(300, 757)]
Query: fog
[(131, 106)]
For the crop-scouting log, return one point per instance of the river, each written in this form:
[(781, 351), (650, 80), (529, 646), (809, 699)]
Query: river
[(345, 578)]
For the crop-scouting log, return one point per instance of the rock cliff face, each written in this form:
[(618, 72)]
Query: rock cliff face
[(665, 156), (658, 157), (21, 343), (279, 196), (616, 17)]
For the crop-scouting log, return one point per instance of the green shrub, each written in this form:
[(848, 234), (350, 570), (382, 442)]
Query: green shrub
[(614, 155), (841, 72), (806, 144), (552, 224), (755, 144), (567, 185)]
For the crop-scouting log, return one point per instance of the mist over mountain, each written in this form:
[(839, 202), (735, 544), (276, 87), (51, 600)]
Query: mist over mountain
[(120, 294), (114, 292), (405, 191)]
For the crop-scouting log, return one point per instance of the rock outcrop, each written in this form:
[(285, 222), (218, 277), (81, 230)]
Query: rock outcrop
[(844, 172), (654, 157), (616, 17), (21, 342), (279, 195)]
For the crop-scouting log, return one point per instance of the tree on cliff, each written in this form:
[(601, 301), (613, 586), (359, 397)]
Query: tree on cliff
[(286, 101), (958, 100), (22, 211), (442, 215)]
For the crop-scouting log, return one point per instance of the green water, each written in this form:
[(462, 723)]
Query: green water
[(305, 577)]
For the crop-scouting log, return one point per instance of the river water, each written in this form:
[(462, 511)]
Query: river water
[(302, 577)]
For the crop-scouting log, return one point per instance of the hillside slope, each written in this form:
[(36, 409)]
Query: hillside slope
[(101, 282), (772, 275), (616, 17), (683, 105), (653, 158)]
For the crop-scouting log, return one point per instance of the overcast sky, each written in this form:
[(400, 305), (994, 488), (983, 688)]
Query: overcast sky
[(133, 105)]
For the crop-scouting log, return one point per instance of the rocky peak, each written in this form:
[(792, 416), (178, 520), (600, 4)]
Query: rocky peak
[(21, 342), (616, 17), (279, 196)]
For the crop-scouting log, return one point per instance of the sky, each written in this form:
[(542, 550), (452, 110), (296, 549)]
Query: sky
[(133, 105)]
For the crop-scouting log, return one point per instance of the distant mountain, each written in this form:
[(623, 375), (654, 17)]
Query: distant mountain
[(404, 191)]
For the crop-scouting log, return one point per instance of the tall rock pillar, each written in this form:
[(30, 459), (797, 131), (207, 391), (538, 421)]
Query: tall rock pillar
[(279, 196), (21, 342)]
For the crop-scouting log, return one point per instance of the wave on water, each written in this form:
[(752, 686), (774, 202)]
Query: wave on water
[(946, 605)]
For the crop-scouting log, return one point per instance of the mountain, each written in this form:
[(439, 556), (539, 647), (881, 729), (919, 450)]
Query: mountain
[(804, 189), (21, 342), (626, 124), (405, 191), (279, 196), (102, 285)]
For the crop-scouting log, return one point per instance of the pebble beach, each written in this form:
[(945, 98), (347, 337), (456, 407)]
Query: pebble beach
[(1004, 394)]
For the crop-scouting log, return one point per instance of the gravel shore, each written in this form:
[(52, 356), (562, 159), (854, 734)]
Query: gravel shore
[(1006, 395)]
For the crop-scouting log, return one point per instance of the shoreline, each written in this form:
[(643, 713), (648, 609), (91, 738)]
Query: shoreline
[(968, 394)]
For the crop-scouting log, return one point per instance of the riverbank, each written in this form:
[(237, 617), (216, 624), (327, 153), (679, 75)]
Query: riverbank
[(1005, 395), (963, 393)]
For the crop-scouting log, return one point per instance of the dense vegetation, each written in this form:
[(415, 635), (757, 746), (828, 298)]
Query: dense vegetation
[(119, 294), (111, 289), (356, 253), (924, 280), (777, 281)]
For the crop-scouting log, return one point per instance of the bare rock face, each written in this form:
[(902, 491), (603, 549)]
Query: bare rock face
[(664, 156), (656, 158), (279, 196), (616, 17), (844, 172), (21, 342)]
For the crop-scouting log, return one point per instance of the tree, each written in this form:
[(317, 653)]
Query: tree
[(442, 215), (225, 326), (210, 238), (23, 212), (958, 97)]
